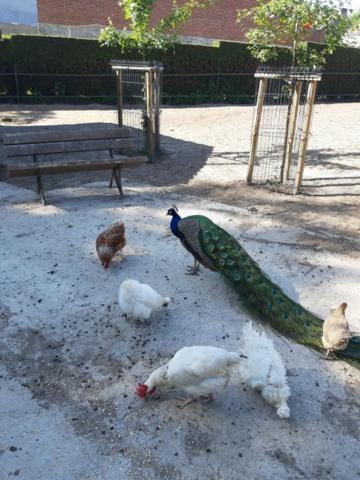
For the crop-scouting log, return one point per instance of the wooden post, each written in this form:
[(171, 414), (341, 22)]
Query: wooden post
[(255, 133), (157, 99), (149, 101), (17, 84), (119, 93), (291, 131), (309, 107)]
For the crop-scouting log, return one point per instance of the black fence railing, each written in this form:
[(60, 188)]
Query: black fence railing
[(178, 89)]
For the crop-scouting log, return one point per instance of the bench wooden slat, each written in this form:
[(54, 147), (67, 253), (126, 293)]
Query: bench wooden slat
[(49, 168), (67, 141), (65, 135), (66, 147)]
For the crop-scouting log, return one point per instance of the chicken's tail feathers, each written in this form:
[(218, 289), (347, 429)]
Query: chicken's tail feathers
[(283, 410), (120, 226)]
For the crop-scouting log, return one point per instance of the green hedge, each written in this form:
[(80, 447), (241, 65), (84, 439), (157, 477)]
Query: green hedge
[(49, 55)]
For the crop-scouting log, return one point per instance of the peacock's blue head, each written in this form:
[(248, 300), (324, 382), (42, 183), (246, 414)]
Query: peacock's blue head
[(173, 212)]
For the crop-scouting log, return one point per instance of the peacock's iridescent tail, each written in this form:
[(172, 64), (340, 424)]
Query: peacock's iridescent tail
[(259, 293)]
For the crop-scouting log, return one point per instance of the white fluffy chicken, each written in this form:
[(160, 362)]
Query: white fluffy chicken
[(199, 371), (137, 300), (264, 369)]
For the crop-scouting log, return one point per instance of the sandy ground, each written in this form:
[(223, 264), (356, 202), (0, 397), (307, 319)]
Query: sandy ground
[(205, 153), (69, 363)]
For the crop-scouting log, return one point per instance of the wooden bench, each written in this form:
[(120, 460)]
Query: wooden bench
[(61, 141)]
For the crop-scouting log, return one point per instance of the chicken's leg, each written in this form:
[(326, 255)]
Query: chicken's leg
[(329, 355), (207, 398), (187, 402)]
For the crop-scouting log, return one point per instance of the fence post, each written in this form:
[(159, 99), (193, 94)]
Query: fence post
[(119, 92), (149, 89), (157, 100), (309, 107), (17, 84), (285, 171), (255, 133)]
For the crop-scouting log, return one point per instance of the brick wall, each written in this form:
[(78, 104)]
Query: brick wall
[(217, 22), (77, 12)]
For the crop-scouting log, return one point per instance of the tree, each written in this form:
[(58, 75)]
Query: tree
[(279, 22), (139, 34)]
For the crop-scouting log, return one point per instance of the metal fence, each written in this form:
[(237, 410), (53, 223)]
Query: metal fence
[(281, 125), (138, 92), (178, 89)]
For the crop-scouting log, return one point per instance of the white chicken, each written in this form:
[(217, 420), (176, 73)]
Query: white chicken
[(137, 300), (199, 371), (264, 369)]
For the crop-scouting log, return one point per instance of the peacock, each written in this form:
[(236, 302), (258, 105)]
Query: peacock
[(217, 250)]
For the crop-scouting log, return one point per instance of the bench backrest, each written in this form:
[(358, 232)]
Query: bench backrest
[(66, 141)]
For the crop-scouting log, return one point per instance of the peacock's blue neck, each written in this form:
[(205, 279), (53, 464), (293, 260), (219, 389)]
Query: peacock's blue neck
[(174, 224)]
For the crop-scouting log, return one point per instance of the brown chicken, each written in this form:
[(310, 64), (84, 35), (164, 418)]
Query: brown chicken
[(336, 332), (109, 242)]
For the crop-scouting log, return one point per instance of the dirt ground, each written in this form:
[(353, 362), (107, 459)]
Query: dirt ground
[(205, 153), (69, 363)]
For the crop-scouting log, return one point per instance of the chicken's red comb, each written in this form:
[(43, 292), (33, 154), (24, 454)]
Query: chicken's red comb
[(141, 390)]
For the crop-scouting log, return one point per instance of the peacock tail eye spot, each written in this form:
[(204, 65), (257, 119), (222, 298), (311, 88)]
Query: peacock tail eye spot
[(222, 262), (299, 312), (281, 300), (307, 324), (224, 255), (230, 263), (248, 276), (274, 292), (270, 305), (237, 276), (285, 316), (211, 247)]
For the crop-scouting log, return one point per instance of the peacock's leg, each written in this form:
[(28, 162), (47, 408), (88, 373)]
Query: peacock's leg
[(193, 270)]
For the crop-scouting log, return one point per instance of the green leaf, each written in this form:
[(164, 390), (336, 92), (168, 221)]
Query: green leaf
[(292, 22), (140, 34)]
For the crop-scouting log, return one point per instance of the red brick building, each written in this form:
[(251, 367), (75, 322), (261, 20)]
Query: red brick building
[(216, 22)]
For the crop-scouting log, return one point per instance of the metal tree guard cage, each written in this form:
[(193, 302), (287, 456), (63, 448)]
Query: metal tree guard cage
[(281, 125), (138, 86)]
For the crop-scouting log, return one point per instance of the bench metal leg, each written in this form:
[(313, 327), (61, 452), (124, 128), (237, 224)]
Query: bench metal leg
[(111, 179), (40, 189), (117, 176), (113, 173)]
